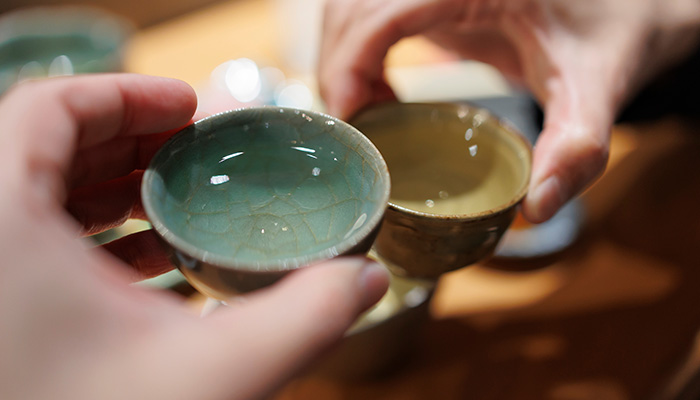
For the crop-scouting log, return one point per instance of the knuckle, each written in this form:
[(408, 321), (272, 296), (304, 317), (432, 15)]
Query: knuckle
[(590, 155), (595, 149), (588, 144)]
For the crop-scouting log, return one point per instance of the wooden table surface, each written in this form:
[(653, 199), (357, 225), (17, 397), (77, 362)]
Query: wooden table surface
[(615, 317)]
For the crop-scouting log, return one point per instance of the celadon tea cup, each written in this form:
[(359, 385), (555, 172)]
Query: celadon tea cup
[(457, 173), (244, 197)]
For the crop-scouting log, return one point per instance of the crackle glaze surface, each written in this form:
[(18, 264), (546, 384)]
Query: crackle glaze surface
[(266, 189)]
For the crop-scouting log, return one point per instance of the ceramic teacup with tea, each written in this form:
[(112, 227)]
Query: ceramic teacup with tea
[(457, 173)]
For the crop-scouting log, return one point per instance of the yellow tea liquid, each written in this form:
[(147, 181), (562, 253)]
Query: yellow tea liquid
[(446, 164)]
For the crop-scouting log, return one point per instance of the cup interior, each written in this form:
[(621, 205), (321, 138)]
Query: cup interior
[(448, 159), (266, 188)]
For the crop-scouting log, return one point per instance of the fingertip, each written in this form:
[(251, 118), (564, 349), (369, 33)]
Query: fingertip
[(364, 281), (373, 282), (189, 95), (345, 96), (544, 199), (339, 107), (335, 110), (347, 100), (335, 291), (177, 94), (567, 158)]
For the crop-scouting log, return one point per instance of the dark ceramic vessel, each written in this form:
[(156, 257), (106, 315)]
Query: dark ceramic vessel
[(458, 174)]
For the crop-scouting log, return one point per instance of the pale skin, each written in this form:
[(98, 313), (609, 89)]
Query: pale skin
[(71, 324), (582, 60)]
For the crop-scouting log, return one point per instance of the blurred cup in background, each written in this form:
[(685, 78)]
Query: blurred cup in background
[(62, 40)]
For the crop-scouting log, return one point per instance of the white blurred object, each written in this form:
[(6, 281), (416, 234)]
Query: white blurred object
[(242, 79), (294, 93), (61, 66), (271, 79), (243, 83)]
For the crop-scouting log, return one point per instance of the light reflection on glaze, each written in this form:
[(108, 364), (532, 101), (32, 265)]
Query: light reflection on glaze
[(224, 158), (218, 179)]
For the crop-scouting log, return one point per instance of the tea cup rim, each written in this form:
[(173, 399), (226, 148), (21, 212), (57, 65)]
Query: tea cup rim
[(502, 123)]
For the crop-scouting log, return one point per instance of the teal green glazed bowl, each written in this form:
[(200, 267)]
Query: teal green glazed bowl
[(244, 197)]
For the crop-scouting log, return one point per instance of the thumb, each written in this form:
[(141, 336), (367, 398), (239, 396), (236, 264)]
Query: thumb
[(571, 152), (273, 333)]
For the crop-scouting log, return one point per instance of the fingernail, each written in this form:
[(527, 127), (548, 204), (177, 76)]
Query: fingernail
[(373, 282), (545, 199)]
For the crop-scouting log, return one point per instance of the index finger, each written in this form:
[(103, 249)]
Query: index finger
[(356, 40), (50, 120)]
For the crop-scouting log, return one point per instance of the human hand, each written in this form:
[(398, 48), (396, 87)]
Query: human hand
[(71, 325), (581, 59)]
